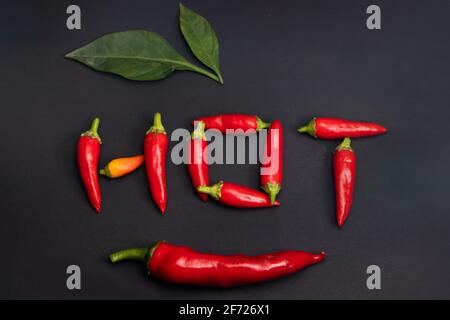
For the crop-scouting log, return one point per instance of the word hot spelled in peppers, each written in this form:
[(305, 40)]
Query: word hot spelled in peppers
[(197, 165), (233, 122), (88, 153), (122, 166), (155, 153), (235, 195), (271, 174), (344, 163), (332, 128), (182, 265)]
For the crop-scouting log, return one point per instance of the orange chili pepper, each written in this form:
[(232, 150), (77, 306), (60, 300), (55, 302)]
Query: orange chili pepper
[(121, 166)]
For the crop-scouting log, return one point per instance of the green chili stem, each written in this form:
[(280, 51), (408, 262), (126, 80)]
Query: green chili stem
[(93, 131), (94, 126), (157, 122), (199, 131), (214, 190), (272, 189), (261, 124), (157, 126), (310, 128), (345, 145), (104, 172), (129, 254)]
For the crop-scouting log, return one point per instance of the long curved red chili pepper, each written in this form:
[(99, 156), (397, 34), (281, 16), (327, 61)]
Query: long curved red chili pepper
[(233, 122), (88, 153), (271, 174), (155, 153), (332, 128), (182, 265), (235, 195), (197, 166), (344, 163)]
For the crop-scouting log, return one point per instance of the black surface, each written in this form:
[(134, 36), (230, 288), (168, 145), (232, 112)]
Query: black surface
[(287, 59)]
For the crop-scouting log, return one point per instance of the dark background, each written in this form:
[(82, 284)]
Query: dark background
[(290, 60)]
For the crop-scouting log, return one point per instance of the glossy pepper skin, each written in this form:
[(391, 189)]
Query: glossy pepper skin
[(233, 122), (197, 166), (344, 163), (88, 153), (271, 174), (182, 265), (235, 195), (122, 166), (155, 154), (333, 128)]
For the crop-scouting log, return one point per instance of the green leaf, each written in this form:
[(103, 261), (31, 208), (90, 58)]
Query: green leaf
[(135, 55), (201, 38)]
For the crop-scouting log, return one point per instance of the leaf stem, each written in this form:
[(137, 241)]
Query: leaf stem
[(205, 73), (220, 78)]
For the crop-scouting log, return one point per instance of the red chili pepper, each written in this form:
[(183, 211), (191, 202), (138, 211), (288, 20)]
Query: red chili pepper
[(235, 195), (344, 163), (182, 265), (88, 153), (332, 128), (233, 122), (197, 166), (271, 174), (155, 153)]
